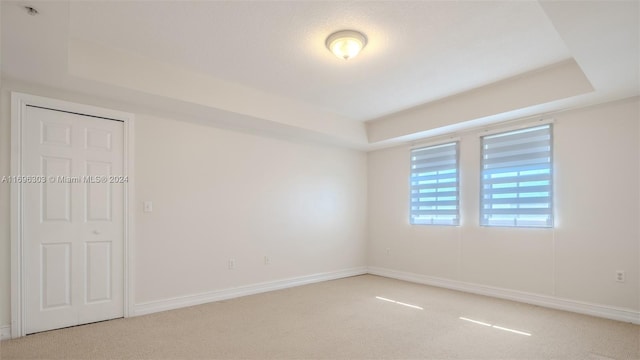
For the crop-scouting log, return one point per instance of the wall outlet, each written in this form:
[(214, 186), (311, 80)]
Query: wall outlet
[(267, 260), (232, 264), (388, 251), (620, 275), (147, 206)]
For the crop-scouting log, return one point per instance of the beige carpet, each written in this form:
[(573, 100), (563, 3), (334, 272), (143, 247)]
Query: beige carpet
[(363, 317)]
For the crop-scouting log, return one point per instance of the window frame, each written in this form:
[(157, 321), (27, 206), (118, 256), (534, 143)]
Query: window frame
[(551, 213), (457, 144)]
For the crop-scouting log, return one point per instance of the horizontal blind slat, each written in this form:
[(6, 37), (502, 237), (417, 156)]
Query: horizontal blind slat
[(533, 144), (426, 156), (487, 173), (516, 211), (512, 179), (434, 212), (433, 194), (440, 185), (541, 156), (542, 132), (426, 163), (518, 190), (517, 201), (417, 172), (434, 203), (440, 149), (449, 175)]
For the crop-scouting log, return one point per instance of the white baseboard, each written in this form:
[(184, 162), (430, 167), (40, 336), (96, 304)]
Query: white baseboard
[(608, 312), (224, 294), (5, 332)]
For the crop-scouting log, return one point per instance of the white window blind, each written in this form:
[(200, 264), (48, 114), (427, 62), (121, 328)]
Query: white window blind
[(517, 188), (434, 185)]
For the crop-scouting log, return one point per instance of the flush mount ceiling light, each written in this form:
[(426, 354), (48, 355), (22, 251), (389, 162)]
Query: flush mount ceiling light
[(346, 44)]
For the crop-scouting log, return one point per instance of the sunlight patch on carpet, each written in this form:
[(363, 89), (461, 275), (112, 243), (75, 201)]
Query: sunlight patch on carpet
[(399, 303), (495, 326)]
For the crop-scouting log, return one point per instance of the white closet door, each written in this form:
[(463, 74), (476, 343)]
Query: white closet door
[(73, 221)]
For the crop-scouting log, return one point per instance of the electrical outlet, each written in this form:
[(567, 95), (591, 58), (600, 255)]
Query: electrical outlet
[(388, 251), (232, 264), (147, 206), (620, 276), (267, 260)]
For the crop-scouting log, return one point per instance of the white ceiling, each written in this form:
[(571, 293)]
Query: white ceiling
[(265, 61), (418, 51)]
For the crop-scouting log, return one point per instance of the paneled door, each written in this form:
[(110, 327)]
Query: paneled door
[(73, 218)]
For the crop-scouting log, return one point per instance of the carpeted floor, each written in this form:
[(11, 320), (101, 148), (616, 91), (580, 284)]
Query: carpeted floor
[(362, 317)]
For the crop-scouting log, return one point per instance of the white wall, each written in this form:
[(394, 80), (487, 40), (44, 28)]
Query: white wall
[(217, 195), (597, 187)]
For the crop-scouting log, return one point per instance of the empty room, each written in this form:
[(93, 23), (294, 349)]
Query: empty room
[(320, 179)]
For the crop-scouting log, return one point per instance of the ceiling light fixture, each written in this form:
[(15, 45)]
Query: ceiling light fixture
[(346, 44)]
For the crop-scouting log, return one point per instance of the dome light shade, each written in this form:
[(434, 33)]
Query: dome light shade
[(346, 44)]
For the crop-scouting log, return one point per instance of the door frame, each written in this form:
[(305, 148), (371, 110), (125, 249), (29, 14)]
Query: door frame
[(19, 101)]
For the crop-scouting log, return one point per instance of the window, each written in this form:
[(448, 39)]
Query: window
[(517, 186), (434, 185)]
